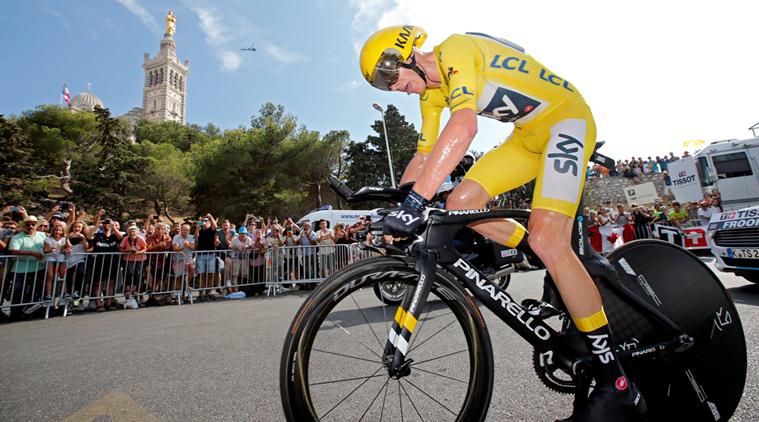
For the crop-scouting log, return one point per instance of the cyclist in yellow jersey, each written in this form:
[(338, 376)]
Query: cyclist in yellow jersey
[(554, 135)]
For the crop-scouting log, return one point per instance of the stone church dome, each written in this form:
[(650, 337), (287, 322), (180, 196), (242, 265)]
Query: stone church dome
[(86, 101)]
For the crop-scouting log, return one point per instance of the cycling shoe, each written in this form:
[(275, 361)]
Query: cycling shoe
[(605, 404)]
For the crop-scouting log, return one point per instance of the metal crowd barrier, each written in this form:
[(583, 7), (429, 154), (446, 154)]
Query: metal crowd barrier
[(304, 266), (88, 281)]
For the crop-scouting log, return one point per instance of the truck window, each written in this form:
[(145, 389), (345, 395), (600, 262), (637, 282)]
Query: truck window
[(702, 166), (732, 165)]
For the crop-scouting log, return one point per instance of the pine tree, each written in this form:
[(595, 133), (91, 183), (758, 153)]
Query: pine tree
[(112, 180), (16, 169), (368, 159)]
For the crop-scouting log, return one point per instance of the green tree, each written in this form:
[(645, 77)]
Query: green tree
[(174, 133), (113, 176), (166, 182), (314, 160), (367, 160), (60, 138), (16, 154), (273, 168)]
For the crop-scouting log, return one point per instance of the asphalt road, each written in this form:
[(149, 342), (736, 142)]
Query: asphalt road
[(220, 361)]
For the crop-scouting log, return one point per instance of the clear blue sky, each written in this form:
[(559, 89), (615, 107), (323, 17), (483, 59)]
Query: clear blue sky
[(655, 73), (306, 58)]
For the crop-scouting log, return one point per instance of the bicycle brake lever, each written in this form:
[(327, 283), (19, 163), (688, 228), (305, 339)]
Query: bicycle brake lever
[(392, 248)]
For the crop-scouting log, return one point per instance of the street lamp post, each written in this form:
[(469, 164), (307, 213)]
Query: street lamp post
[(387, 143)]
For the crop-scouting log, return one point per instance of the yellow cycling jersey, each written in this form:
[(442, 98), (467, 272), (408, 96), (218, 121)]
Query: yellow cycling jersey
[(494, 77)]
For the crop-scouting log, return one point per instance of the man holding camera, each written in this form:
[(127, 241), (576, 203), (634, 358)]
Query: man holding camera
[(104, 241), (64, 212), (205, 261)]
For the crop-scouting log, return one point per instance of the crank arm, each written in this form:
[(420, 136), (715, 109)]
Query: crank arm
[(663, 351)]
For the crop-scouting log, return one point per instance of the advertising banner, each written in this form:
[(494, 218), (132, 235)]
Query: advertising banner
[(685, 184), (645, 193), (742, 219), (689, 238)]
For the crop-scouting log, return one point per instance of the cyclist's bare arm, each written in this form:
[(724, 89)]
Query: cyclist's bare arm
[(414, 168), (450, 148)]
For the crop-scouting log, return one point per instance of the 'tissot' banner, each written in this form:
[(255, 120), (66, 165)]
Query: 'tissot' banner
[(685, 183)]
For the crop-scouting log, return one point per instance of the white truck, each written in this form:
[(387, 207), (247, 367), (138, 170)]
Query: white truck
[(732, 168), (734, 240)]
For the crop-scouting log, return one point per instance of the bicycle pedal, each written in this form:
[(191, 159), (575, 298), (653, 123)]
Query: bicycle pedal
[(525, 266), (540, 309)]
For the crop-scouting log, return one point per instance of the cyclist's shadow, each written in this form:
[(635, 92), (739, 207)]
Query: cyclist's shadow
[(745, 295)]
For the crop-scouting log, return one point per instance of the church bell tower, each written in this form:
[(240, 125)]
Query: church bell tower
[(165, 91)]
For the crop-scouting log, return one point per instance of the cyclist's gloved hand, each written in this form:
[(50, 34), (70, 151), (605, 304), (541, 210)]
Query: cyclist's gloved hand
[(406, 219)]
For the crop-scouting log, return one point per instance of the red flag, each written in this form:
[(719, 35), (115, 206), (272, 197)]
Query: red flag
[(66, 95)]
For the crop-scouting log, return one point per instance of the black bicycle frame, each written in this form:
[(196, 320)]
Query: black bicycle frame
[(436, 248)]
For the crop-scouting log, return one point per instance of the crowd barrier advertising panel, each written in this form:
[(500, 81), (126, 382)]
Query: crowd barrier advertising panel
[(645, 193), (688, 238), (685, 184)]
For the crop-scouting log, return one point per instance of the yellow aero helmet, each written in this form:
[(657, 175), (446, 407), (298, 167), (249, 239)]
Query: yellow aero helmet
[(386, 51)]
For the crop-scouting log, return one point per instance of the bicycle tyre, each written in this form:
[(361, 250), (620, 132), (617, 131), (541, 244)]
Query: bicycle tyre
[(294, 366), (386, 294), (704, 382)]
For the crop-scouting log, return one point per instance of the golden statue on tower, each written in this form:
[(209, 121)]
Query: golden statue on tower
[(171, 24)]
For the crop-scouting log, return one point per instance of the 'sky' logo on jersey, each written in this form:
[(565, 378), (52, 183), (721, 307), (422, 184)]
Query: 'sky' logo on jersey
[(567, 159), (507, 105)]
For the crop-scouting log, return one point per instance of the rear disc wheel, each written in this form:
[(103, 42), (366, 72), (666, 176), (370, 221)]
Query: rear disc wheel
[(706, 381)]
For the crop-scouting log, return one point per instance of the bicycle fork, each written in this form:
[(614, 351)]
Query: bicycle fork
[(406, 317)]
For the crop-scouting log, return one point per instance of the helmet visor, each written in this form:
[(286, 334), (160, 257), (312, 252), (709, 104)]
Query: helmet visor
[(387, 69)]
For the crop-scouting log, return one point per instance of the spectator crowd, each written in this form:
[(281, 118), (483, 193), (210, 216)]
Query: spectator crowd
[(637, 222), (63, 254), (634, 168), (78, 258)]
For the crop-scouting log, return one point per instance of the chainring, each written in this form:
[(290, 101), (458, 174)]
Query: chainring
[(552, 376)]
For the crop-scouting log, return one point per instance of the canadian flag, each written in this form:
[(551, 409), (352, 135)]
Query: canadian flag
[(66, 95)]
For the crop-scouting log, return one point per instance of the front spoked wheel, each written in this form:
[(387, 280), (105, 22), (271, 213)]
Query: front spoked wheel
[(333, 366)]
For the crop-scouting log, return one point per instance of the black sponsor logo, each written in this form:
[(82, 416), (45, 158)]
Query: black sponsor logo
[(508, 106), (568, 159), (402, 38), (684, 180), (451, 72)]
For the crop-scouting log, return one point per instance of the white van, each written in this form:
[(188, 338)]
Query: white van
[(347, 217), (734, 240), (732, 167)]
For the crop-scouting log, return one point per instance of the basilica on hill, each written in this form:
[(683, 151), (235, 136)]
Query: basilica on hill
[(164, 92)]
